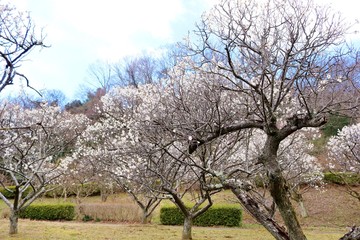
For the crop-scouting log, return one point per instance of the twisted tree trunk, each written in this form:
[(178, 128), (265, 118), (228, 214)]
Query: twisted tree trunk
[(279, 189), (256, 209)]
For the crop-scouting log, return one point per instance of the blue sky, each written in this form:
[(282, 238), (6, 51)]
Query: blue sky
[(83, 31)]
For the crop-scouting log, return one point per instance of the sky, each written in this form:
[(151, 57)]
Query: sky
[(80, 32)]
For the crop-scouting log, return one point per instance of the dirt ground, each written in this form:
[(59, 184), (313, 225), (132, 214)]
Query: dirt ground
[(328, 207), (332, 207)]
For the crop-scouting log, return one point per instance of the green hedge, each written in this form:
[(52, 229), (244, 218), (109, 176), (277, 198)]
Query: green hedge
[(11, 194), (214, 216), (64, 211), (171, 216), (342, 178), (87, 189), (56, 191)]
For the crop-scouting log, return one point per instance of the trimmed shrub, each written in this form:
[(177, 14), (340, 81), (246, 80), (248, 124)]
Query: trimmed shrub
[(214, 216), (56, 191), (342, 178), (87, 189), (87, 218), (64, 211), (171, 216), (11, 194)]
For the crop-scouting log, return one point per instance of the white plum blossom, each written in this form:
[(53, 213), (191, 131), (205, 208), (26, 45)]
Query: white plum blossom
[(34, 149), (344, 149), (344, 155)]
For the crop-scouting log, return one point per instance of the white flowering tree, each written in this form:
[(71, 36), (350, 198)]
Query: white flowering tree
[(34, 146), (161, 122), (82, 179), (17, 38), (189, 106), (147, 133), (142, 158), (106, 152), (344, 153), (279, 62), (167, 120), (300, 169)]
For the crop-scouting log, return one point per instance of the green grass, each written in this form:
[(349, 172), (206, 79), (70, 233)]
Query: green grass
[(41, 230), (330, 212)]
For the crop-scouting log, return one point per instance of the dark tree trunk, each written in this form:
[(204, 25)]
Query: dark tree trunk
[(258, 212), (279, 189), (353, 234)]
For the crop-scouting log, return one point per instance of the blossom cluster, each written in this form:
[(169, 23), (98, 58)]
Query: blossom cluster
[(344, 149), (36, 142)]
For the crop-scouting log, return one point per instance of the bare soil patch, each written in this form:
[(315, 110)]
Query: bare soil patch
[(328, 207)]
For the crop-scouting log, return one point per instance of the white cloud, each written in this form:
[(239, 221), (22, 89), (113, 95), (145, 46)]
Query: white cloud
[(114, 21), (349, 10), (108, 26), (82, 31)]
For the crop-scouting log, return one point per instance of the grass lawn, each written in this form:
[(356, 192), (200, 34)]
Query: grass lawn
[(106, 231), (330, 212)]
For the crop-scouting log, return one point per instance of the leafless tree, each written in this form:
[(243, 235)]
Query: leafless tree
[(100, 75), (136, 70), (171, 55), (281, 59), (53, 97), (18, 37)]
